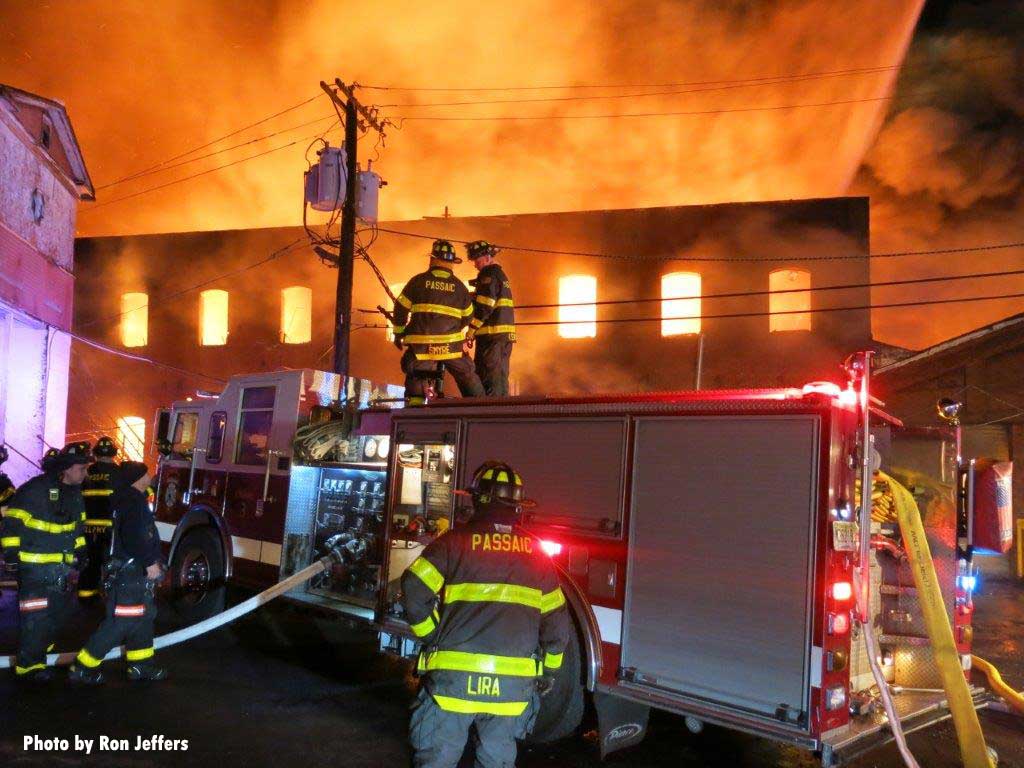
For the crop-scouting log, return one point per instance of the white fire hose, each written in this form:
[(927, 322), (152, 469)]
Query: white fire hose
[(180, 636)]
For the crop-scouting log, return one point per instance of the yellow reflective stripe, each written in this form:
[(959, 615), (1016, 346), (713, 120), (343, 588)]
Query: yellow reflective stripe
[(483, 663), (435, 339), (41, 525), (505, 303), (427, 573), (99, 523), (437, 309), (41, 557), (416, 400), (98, 492), (468, 311), (553, 660), (493, 593), (5, 495), (476, 322), (487, 301), (466, 707), (139, 655), (10, 541), (87, 659), (20, 514), (424, 628), (502, 477), (496, 329), (446, 356), (552, 600), (88, 592), (26, 670), (398, 329), (403, 301), (441, 273), (79, 542)]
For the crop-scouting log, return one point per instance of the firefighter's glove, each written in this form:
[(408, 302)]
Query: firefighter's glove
[(545, 684)]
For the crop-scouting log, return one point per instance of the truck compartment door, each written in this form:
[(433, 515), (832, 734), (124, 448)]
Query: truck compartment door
[(721, 564)]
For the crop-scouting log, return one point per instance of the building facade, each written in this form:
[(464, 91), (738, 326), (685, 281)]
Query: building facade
[(44, 177), (624, 300)]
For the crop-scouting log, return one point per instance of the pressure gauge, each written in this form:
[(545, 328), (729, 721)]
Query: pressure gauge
[(369, 448)]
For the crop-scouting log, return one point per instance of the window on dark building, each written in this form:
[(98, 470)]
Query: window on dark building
[(296, 315), (577, 318), (254, 423), (134, 319), (789, 300), (680, 303), (213, 318)]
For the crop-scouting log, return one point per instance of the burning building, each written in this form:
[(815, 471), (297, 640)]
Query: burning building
[(618, 300), (44, 177)]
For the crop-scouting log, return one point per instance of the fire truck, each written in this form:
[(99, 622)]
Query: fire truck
[(706, 540)]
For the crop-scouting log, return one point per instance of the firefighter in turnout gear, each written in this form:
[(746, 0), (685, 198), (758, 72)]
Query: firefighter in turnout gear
[(486, 602), (42, 534), (493, 327), (131, 576), (431, 316), (96, 490), (6, 486)]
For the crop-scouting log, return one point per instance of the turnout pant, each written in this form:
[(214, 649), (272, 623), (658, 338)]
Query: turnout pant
[(492, 357), (461, 369), (44, 604), (129, 621), (98, 545), (439, 737)]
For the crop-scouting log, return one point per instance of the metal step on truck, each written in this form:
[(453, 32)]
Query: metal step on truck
[(706, 540)]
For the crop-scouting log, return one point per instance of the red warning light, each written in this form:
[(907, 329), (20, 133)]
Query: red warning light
[(550, 548), (842, 590), (839, 624)]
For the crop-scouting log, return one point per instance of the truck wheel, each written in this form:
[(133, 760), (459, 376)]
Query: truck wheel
[(197, 576), (561, 711)]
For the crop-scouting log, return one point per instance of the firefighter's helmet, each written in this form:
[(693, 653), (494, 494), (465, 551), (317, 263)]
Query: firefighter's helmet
[(444, 251), (479, 248), (4, 456), (495, 482), (49, 459), (72, 454), (105, 448)]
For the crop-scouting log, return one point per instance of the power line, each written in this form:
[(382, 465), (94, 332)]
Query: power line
[(141, 359), (215, 141), (606, 86), (164, 299), (474, 118), (745, 294), (625, 257), (258, 139)]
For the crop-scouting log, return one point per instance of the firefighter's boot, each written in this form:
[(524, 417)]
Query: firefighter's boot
[(84, 676), (146, 673)]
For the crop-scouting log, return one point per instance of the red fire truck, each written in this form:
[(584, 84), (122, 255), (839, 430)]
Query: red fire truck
[(706, 540)]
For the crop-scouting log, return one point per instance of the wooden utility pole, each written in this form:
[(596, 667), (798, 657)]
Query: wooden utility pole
[(346, 256)]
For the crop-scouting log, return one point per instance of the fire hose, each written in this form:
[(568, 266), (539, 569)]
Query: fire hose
[(188, 633), (995, 681)]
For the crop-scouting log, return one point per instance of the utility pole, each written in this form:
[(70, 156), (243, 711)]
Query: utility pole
[(346, 256)]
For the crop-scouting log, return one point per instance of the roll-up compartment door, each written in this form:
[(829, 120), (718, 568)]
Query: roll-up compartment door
[(718, 591)]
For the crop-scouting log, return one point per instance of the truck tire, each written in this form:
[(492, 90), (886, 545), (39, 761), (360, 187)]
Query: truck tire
[(197, 576), (561, 711)]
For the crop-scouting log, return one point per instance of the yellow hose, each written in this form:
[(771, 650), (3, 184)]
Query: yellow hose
[(997, 684), (958, 696)]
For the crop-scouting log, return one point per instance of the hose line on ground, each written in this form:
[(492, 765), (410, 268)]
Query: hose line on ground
[(997, 684)]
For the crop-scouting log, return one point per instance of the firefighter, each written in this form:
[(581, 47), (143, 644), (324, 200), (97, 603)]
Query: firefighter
[(131, 576), (96, 490), (493, 327), (49, 457), (485, 601), (42, 537), (6, 486), (431, 315)]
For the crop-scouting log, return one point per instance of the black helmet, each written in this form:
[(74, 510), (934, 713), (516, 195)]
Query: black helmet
[(444, 251), (495, 482), (71, 454), (479, 248), (4, 456), (105, 447), (49, 459)]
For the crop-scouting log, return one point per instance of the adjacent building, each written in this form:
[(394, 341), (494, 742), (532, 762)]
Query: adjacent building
[(626, 300), (43, 179)]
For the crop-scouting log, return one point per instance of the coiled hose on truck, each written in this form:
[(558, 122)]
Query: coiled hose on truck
[(181, 635)]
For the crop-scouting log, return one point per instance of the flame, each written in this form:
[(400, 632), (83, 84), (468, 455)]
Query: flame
[(577, 321), (213, 318)]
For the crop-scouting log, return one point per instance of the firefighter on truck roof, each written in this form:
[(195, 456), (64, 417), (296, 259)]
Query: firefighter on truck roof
[(42, 538), (431, 316), (131, 576), (486, 603), (96, 490), (493, 327)]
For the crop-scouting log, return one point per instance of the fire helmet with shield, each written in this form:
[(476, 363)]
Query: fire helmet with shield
[(49, 458), (496, 483), (442, 250), (105, 448), (480, 248), (72, 454)]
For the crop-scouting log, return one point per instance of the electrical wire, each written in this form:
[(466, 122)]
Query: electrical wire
[(625, 257), (141, 359), (217, 140), (772, 108)]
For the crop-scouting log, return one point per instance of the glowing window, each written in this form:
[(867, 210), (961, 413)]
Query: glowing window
[(396, 289), (131, 434), (680, 303), (297, 315), (213, 318), (577, 319), (134, 319), (790, 294)]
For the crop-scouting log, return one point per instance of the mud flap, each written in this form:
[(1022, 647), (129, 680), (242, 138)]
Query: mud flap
[(620, 723)]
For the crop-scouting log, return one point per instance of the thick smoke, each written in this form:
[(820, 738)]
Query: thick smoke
[(946, 171)]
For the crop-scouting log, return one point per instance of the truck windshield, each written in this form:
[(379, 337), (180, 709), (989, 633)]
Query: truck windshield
[(185, 427)]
